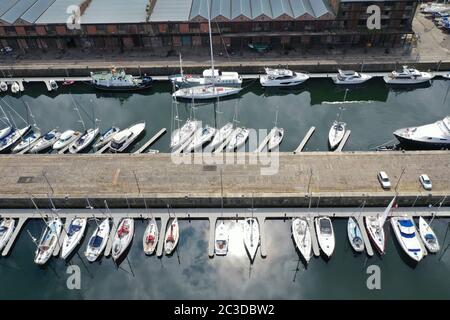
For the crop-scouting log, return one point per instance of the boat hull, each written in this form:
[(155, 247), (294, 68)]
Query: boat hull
[(122, 238), (172, 236), (71, 242), (124, 88), (326, 241), (6, 235), (302, 237), (418, 144), (354, 235), (377, 236), (150, 244), (410, 245), (251, 237)]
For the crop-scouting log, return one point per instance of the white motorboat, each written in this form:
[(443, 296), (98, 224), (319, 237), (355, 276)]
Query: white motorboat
[(205, 92), (447, 76), (221, 135), (201, 137), (6, 230), (238, 138), (431, 136), (325, 235), (84, 141), (181, 135), (66, 138), (282, 78), (150, 239), (27, 141), (221, 239), (406, 234), (172, 236), (428, 236), (15, 88), (106, 137), (350, 77), (9, 141), (3, 86), (122, 140), (276, 136), (223, 79), (302, 237), (49, 240), (118, 80), (251, 237), (375, 230), (6, 132), (73, 236), (336, 134), (53, 85), (98, 241), (408, 76), (47, 141), (122, 238), (355, 235)]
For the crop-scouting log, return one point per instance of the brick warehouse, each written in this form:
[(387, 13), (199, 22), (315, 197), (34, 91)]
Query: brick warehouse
[(42, 24)]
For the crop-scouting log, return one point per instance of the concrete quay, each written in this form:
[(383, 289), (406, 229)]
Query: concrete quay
[(344, 179)]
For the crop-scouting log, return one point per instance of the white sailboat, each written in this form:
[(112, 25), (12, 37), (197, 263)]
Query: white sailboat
[(325, 235), (106, 137), (151, 235), (3, 86), (428, 236), (276, 135), (337, 130), (181, 135), (221, 135), (9, 141), (221, 239), (122, 237), (238, 138), (6, 230), (374, 226), (172, 236), (212, 91), (15, 88), (354, 235), (53, 85), (98, 241), (251, 237), (406, 234), (84, 141), (48, 242), (201, 137), (302, 237), (28, 140), (73, 236)]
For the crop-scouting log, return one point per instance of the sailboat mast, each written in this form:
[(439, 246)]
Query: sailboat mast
[(210, 43)]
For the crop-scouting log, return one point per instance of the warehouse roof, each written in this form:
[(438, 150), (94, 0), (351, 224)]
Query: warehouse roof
[(5, 5), (115, 11), (36, 10), (17, 10), (171, 10), (57, 12)]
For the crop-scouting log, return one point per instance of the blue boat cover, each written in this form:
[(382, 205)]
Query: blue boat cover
[(407, 235), (96, 241), (405, 223)]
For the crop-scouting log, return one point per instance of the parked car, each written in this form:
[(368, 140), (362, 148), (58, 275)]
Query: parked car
[(384, 180), (6, 50), (425, 182)]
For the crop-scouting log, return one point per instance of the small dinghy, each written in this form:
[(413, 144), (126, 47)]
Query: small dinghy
[(15, 87), (302, 237), (238, 138), (122, 238), (251, 237), (3, 86), (222, 135), (354, 235), (428, 236), (106, 137), (84, 141), (27, 141), (275, 138), (53, 85), (172, 237), (46, 142), (406, 234), (336, 134), (150, 239), (325, 235), (68, 82), (98, 240), (221, 239), (447, 76), (74, 234), (6, 230), (48, 242)]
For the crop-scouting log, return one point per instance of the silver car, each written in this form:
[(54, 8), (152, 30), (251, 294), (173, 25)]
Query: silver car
[(425, 182), (384, 180)]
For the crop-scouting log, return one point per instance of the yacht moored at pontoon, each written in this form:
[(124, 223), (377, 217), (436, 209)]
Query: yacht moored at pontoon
[(282, 78), (408, 76), (350, 77)]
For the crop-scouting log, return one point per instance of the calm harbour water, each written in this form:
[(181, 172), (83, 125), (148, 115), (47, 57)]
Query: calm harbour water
[(375, 113)]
